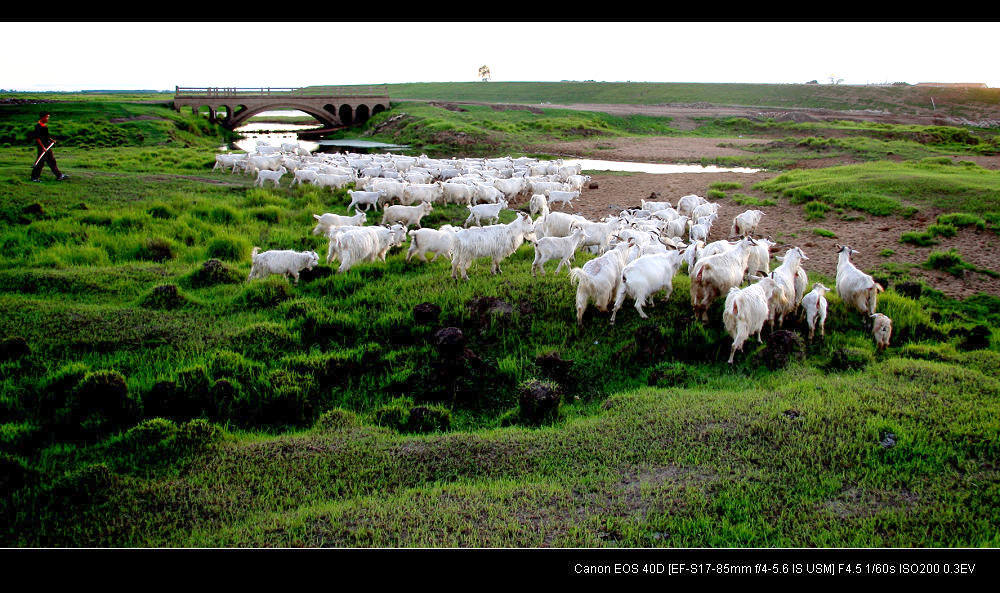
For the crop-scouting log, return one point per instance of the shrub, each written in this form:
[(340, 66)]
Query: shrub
[(196, 435), (847, 358), (265, 293), (263, 340), (716, 194), (161, 211), (155, 249), (816, 210), (724, 185), (222, 215), (228, 248), (824, 233), (943, 230), (425, 419), (14, 348), (958, 219), (538, 401), (336, 419), (395, 415), (671, 374), (165, 296), (213, 272), (921, 239), (100, 403)]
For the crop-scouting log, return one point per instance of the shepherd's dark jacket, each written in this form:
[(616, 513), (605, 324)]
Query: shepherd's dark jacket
[(41, 133)]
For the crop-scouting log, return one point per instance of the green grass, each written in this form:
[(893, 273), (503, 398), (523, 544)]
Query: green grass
[(824, 233), (747, 200), (896, 98), (883, 188), (165, 401)]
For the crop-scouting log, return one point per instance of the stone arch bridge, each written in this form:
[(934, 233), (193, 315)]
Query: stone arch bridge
[(334, 106)]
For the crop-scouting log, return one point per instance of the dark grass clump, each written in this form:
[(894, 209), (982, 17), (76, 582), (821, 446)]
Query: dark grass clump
[(976, 338), (263, 340), (951, 261), (161, 211), (228, 248), (213, 272), (14, 348), (538, 401), (163, 297), (336, 419), (400, 414), (672, 374), (265, 293), (782, 347), (849, 359), (426, 313), (155, 249), (100, 404), (918, 238)]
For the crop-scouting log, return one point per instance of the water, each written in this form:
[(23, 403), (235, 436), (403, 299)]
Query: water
[(593, 165), (276, 134)]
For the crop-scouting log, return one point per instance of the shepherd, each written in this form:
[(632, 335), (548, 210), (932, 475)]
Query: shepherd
[(44, 144)]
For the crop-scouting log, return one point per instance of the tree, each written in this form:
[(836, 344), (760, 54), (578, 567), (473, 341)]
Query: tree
[(835, 80), (484, 73)]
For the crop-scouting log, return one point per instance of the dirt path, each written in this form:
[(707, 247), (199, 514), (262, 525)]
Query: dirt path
[(657, 149), (786, 224)]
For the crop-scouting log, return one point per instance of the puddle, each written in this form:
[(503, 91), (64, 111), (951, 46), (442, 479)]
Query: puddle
[(595, 165)]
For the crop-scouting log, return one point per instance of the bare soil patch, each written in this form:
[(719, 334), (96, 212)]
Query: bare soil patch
[(657, 149), (786, 223)]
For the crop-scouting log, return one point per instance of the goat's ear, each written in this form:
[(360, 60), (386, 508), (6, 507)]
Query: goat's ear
[(316, 216)]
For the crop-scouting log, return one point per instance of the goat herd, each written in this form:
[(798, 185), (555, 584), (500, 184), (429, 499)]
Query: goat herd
[(639, 250)]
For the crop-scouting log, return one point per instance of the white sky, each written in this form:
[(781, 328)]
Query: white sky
[(161, 55)]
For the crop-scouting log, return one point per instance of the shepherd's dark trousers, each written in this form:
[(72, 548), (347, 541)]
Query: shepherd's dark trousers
[(51, 160)]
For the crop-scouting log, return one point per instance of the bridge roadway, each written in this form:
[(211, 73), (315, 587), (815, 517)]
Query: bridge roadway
[(334, 106)]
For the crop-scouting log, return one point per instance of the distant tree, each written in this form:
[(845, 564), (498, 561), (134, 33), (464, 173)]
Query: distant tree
[(484, 73), (813, 82), (835, 80)]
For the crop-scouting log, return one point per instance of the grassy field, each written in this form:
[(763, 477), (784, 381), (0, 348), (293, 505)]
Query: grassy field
[(902, 98), (150, 396)]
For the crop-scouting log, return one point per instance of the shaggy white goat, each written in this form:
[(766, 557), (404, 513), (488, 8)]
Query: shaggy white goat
[(687, 204), (537, 204), (646, 276), (858, 290), (407, 215), (715, 275), (746, 223), (881, 330), (814, 307), (490, 212), (746, 310), (785, 275), (266, 175), (496, 241), (561, 248), (363, 244), (437, 241), (285, 262), (328, 221), (599, 278)]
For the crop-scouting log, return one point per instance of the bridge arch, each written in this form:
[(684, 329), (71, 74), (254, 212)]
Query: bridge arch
[(362, 114), (245, 113), (377, 109), (345, 115)]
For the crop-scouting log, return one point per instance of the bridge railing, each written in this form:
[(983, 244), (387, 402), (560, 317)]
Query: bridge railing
[(352, 90)]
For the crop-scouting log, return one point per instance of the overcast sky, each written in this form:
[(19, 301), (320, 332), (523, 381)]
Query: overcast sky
[(160, 55)]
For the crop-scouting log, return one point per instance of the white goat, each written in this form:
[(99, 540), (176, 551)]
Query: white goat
[(407, 215), (599, 278), (814, 306), (363, 244), (746, 223), (881, 330), (437, 241), (565, 197), (496, 241), (490, 212), (646, 276), (746, 311), (285, 262), (858, 290), (328, 221), (266, 175), (715, 275), (561, 248)]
